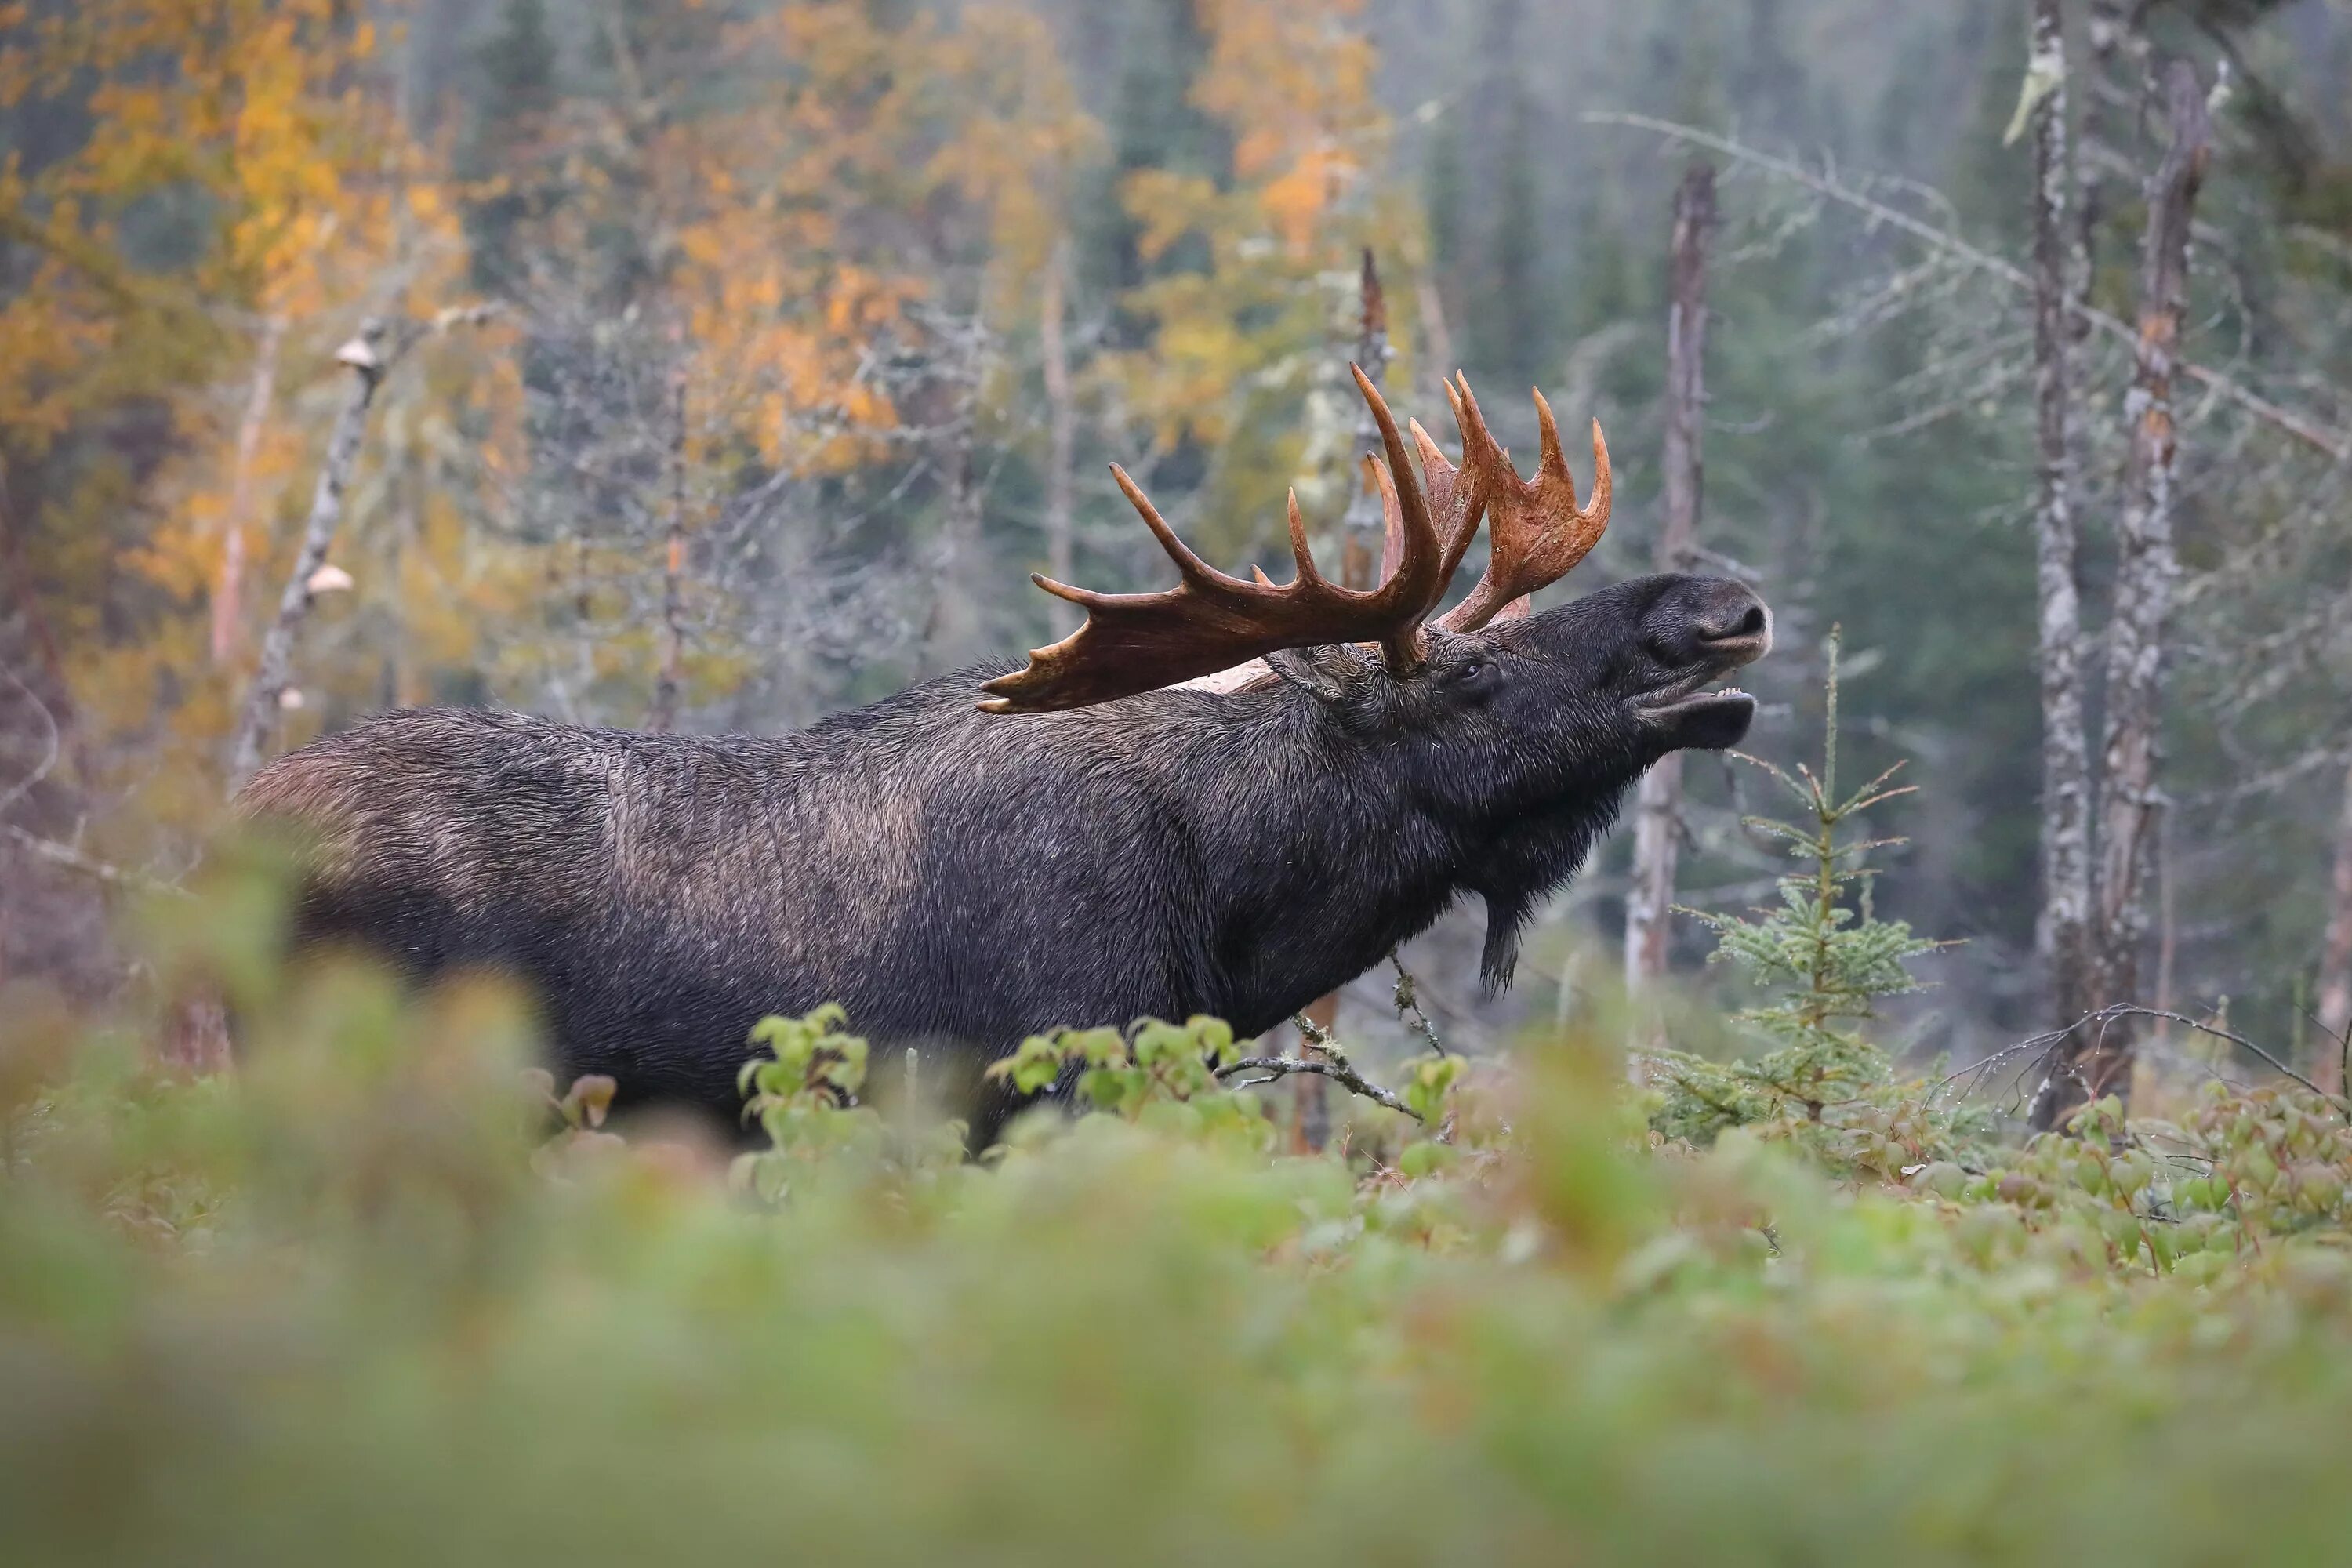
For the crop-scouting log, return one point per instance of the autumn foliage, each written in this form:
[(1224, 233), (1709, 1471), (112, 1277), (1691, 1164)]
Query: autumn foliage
[(808, 237)]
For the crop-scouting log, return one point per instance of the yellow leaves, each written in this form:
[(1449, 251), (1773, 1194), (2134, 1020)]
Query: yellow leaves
[(1168, 206), (1236, 345)]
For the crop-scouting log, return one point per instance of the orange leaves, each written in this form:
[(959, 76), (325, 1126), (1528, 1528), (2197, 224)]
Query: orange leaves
[(804, 223), (1295, 83), (1168, 206), (1025, 142), (269, 141), (1296, 200), (1236, 345)]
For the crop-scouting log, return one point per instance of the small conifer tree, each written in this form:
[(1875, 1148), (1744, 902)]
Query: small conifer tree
[(1827, 958)]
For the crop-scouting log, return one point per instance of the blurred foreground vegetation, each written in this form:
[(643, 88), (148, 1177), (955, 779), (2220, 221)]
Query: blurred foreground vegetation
[(376, 1296)]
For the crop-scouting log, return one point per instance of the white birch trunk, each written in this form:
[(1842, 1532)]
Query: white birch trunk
[(367, 356), (2061, 276)]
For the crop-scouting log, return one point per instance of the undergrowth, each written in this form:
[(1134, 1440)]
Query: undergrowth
[(387, 1294)]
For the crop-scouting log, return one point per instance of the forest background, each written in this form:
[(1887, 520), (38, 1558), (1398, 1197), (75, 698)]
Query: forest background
[(741, 358)]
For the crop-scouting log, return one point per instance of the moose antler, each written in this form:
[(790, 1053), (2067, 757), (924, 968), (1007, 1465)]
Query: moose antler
[(1533, 528), (1209, 622)]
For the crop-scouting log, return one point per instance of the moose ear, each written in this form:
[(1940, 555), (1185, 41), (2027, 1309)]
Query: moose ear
[(1322, 670)]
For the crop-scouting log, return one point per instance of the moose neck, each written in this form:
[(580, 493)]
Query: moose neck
[(1322, 851)]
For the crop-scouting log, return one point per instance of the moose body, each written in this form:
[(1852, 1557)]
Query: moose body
[(960, 879)]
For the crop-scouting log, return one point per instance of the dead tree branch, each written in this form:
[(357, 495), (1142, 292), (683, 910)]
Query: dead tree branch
[(2312, 431), (1333, 1064), (370, 357), (672, 679), (2146, 566), (1061, 413)]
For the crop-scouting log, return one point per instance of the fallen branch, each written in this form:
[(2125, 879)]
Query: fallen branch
[(1333, 1066), (2336, 444), (1346, 1077), (2044, 1047)]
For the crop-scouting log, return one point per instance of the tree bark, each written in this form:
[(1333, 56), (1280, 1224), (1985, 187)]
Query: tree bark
[(2060, 264), (1363, 525), (367, 356), (2146, 568), (2335, 960), (1657, 812), (1061, 429), (672, 679), (1363, 528)]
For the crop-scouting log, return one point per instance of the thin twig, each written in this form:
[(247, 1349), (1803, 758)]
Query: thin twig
[(2335, 443), (1407, 998), (66, 854), (2043, 1044), (48, 761), (1335, 1065), (1347, 1078)]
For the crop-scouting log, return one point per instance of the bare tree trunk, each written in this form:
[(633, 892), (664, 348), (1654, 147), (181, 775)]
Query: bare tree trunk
[(2146, 568), (1061, 428), (1363, 528), (230, 589), (953, 631), (2061, 273), (1658, 811), (671, 682), (367, 356), (2336, 960)]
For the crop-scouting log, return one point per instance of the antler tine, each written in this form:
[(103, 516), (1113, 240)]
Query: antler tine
[(1193, 568), (1420, 530), (1137, 642), (1299, 552), (1551, 460), (1536, 530), (1392, 518)]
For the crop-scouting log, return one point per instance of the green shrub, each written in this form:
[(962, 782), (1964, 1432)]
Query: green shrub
[(386, 1295)]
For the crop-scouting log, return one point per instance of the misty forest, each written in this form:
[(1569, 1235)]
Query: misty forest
[(569, 985)]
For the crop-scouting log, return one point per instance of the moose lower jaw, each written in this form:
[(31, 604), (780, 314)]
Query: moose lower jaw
[(1702, 721)]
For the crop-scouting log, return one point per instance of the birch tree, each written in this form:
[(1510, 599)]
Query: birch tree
[(2146, 569), (2060, 275)]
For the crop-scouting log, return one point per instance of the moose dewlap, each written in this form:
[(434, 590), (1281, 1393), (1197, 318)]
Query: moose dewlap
[(1093, 843)]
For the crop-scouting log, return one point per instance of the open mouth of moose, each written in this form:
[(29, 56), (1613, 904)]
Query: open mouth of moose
[(1689, 696), (1684, 701)]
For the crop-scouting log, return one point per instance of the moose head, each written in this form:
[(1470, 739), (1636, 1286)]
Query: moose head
[(1520, 730)]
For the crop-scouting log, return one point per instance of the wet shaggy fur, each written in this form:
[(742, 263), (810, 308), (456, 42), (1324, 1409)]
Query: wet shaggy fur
[(958, 880)]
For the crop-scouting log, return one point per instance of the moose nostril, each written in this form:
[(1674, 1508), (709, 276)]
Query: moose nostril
[(1747, 625)]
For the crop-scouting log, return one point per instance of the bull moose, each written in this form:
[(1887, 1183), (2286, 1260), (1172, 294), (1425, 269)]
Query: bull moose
[(1227, 797)]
